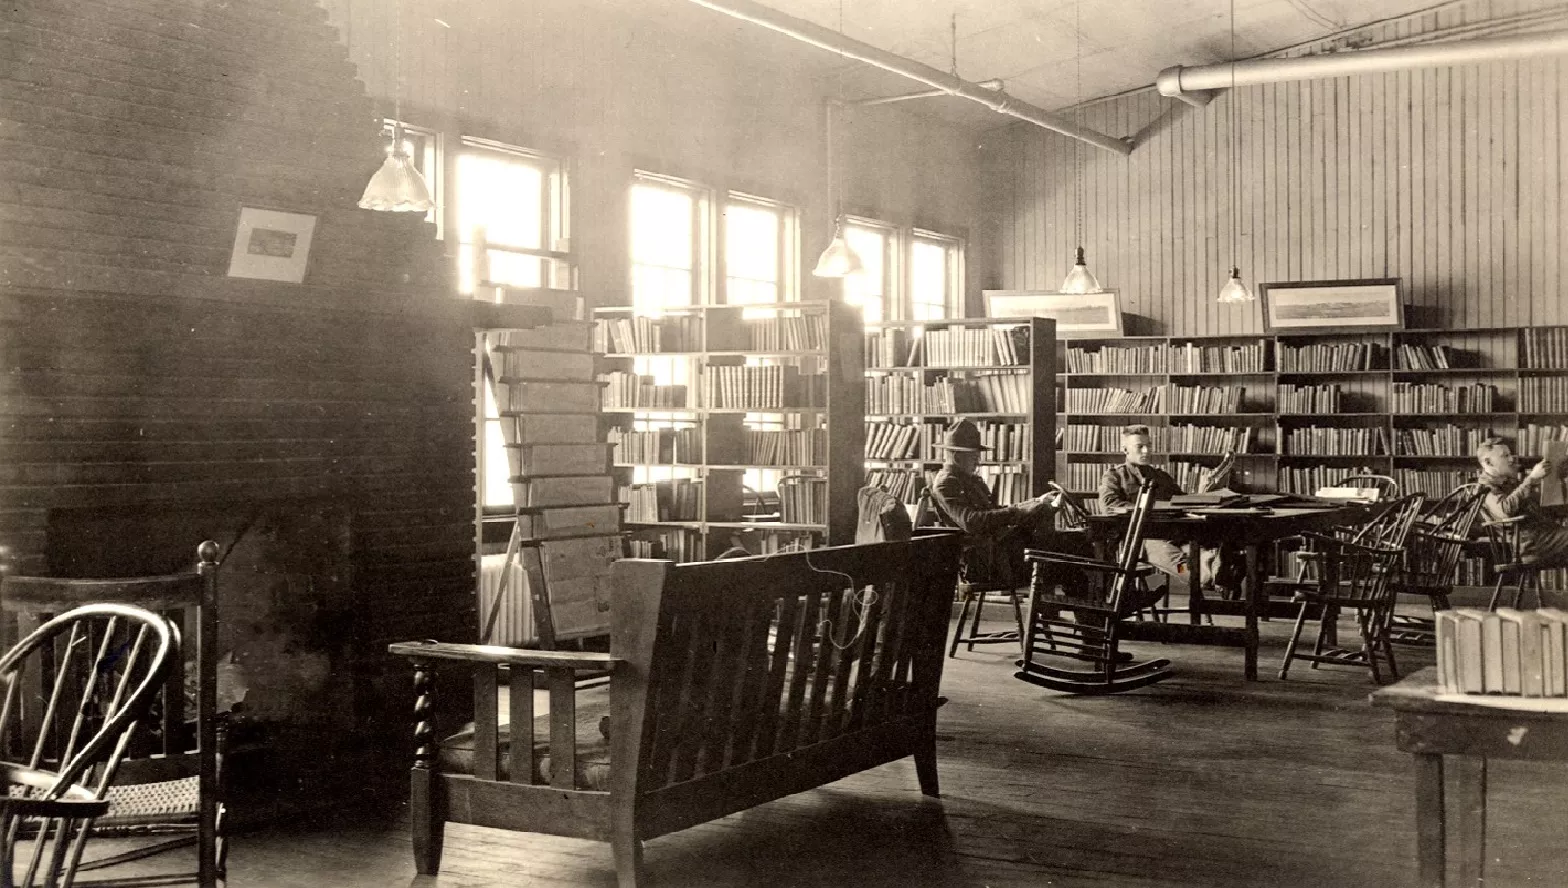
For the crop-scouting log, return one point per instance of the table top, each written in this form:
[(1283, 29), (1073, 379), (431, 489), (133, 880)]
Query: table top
[(1418, 693), (1242, 525)]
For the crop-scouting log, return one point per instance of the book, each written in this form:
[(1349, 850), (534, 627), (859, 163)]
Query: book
[(517, 365), (565, 490), (1555, 627), (1468, 650), (549, 523), (548, 397), (1528, 627), (550, 429), (529, 460), (1510, 651), (1445, 627), (1554, 487)]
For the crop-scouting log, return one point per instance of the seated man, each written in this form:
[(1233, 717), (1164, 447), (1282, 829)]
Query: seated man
[(1119, 487), (1543, 540), (999, 534)]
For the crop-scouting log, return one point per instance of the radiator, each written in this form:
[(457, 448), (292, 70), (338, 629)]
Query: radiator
[(514, 624)]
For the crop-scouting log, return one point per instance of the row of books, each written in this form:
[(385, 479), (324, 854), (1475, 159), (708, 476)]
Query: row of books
[(804, 501), (672, 543), (1310, 479), (1320, 441), (1193, 358), (1330, 357), (1423, 397), (1292, 398), (1117, 359), (789, 333), (1533, 438), (906, 484), (658, 446), (1408, 356), (970, 347), (624, 390), (645, 335), (672, 499), (786, 447), (1083, 476), (1010, 484), (1543, 394), (1545, 349), (1170, 439), (984, 393), (1007, 441), (1507, 651), (1114, 400), (1433, 483), (762, 387), (1443, 440)]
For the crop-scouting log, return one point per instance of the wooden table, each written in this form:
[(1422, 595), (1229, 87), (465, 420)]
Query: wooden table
[(1431, 727), (1246, 529)]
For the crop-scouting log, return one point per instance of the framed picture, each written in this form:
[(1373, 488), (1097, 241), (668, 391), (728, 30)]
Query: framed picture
[(1076, 314), (271, 245), (1361, 306)]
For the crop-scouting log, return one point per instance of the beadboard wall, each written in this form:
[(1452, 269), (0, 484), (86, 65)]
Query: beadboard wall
[(1451, 179)]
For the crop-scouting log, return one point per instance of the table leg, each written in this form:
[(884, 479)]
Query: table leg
[(1470, 818), (1253, 593), (1431, 852), (1194, 583)]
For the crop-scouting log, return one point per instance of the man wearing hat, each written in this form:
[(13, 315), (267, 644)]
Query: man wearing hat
[(997, 534)]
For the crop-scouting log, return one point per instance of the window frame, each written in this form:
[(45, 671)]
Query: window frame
[(786, 258), (554, 211), (953, 288)]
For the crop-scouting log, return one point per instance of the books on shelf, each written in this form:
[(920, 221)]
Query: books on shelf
[(1545, 349), (1420, 397), (1320, 441), (645, 335), (1443, 440), (1005, 392), (1330, 357), (1291, 398), (1410, 356), (1115, 359), (1507, 651), (1191, 357)]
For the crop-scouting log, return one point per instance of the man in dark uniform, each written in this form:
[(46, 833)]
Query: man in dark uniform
[(997, 535)]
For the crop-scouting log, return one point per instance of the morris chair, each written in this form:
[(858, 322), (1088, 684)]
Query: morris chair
[(1099, 595), (168, 783), (733, 683), (76, 688)]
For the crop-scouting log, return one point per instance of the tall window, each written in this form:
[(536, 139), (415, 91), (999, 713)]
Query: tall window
[(669, 231), (873, 288), (759, 251), (513, 201), (936, 276)]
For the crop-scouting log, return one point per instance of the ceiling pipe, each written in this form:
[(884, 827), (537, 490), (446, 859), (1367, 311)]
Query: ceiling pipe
[(948, 84), (1196, 86), (923, 94)]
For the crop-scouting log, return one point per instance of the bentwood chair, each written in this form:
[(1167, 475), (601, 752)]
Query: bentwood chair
[(1512, 570), (1100, 595), (1347, 576), (76, 689), (1436, 544), (985, 569), (167, 791)]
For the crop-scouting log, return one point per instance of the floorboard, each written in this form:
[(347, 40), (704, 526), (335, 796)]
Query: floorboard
[(1203, 781)]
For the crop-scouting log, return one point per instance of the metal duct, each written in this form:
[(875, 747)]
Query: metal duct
[(1196, 86), (948, 84)]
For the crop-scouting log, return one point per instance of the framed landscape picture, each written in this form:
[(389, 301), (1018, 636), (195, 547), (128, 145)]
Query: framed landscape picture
[(1360, 306), (1076, 314)]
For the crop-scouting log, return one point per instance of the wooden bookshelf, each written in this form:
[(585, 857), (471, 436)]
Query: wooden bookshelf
[(717, 413), (1302, 410), (923, 375)]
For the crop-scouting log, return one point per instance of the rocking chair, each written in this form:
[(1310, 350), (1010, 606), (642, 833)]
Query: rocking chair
[(1100, 594)]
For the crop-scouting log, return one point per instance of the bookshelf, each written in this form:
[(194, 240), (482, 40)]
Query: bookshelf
[(733, 423), (1304, 410), (923, 375)]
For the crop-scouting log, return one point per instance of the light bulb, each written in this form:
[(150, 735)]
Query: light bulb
[(1080, 279), (1234, 290)]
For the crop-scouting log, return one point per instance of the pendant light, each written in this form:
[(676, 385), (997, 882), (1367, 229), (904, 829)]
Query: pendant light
[(397, 186), (838, 260), (1234, 290), (1079, 279)]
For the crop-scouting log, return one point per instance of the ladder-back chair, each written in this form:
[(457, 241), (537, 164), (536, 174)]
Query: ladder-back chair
[(75, 689), (1100, 595), (168, 787), (1433, 550)]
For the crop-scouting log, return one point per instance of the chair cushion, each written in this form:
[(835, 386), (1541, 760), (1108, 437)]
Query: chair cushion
[(593, 747)]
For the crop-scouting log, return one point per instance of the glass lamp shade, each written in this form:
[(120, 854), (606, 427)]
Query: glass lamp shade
[(1234, 290), (838, 260), (1080, 279), (397, 187)]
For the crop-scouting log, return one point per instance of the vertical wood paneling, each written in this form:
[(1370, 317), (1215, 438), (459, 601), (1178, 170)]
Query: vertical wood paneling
[(1448, 178)]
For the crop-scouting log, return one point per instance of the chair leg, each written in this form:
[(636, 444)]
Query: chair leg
[(958, 630), (925, 766), (425, 821), (974, 627), (626, 848), (1295, 638), (1369, 644), (1328, 632), (1497, 591), (1018, 617)]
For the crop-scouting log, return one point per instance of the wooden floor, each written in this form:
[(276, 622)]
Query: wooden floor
[(1203, 781)]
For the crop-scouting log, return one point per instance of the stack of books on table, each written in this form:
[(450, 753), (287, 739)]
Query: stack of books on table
[(1512, 652)]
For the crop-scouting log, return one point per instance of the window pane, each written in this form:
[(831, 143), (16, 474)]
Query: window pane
[(929, 280), (868, 288), (503, 194), (496, 472), (751, 253), (663, 254)]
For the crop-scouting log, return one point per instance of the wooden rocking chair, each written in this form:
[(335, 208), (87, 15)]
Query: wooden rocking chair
[(1100, 594)]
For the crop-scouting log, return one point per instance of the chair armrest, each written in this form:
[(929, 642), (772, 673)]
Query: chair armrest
[(78, 803), (1041, 556), (498, 654), (1504, 522), (1331, 543)]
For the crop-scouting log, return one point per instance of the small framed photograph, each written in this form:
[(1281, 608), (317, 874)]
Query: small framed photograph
[(271, 245), (1076, 314), (1358, 306)]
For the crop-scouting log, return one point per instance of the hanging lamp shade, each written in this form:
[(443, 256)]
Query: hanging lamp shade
[(1234, 290), (397, 187), (838, 259), (1080, 279)]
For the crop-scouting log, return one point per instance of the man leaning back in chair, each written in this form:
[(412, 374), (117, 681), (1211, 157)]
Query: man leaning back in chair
[(1543, 540), (998, 534)]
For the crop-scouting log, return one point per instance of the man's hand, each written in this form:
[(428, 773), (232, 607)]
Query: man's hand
[(1540, 470)]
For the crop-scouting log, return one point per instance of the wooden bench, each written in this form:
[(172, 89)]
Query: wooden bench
[(733, 683)]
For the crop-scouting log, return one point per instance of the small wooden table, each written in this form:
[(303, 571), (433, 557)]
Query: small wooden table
[(1247, 529), (1431, 727)]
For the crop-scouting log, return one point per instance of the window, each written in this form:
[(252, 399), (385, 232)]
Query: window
[(512, 201), (759, 251), (936, 276), (669, 231), (873, 288), (424, 146)]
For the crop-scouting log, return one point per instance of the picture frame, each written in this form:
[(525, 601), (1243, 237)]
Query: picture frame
[(1076, 314), (271, 245), (1367, 305)]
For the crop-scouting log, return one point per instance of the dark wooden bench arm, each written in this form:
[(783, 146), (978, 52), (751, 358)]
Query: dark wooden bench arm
[(499, 654)]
